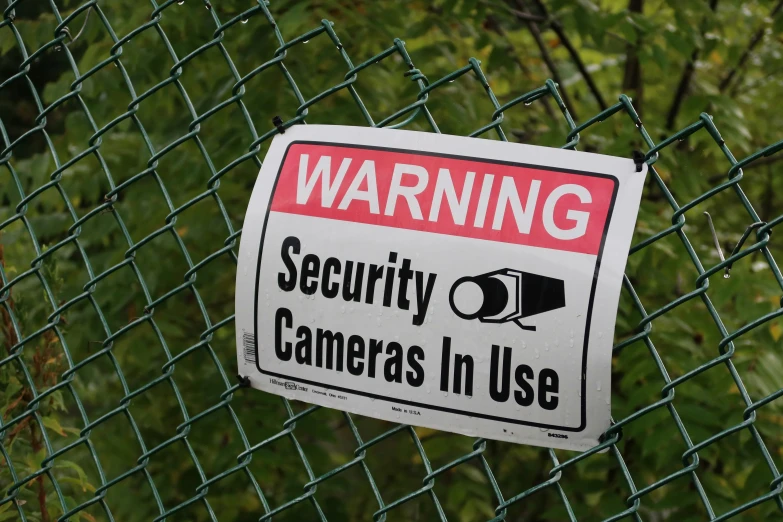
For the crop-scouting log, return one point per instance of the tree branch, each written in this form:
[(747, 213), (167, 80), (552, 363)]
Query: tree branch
[(682, 89), (767, 205), (522, 15), (632, 75), (36, 445), (6, 324), (557, 27), (754, 41), (685, 80), (765, 161), (758, 163), (493, 25), (536, 32)]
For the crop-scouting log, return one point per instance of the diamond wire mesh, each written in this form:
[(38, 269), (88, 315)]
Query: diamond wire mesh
[(20, 338)]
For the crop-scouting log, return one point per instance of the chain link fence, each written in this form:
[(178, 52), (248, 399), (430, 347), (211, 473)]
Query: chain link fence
[(43, 367)]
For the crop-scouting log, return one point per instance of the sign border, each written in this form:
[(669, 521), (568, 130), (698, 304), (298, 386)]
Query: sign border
[(588, 319)]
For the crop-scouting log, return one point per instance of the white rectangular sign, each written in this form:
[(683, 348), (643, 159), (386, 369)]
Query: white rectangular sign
[(456, 283)]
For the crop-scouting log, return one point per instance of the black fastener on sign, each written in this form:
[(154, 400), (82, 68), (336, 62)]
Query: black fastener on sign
[(638, 159), (278, 123)]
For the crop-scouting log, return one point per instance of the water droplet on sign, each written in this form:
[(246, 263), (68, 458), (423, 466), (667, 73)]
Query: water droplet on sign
[(598, 386)]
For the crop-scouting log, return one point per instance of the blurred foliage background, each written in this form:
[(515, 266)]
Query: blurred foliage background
[(675, 59)]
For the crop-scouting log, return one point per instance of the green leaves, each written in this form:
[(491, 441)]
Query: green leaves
[(139, 400), (80, 479)]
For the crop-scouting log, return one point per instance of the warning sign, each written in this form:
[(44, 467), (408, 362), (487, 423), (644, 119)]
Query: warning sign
[(461, 284)]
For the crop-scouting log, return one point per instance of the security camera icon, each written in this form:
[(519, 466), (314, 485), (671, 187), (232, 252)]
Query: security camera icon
[(506, 295)]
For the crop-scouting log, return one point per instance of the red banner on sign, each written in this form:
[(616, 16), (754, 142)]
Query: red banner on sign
[(446, 195)]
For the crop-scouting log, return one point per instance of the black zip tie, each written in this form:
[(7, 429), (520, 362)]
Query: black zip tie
[(244, 382), (638, 159), (278, 123)]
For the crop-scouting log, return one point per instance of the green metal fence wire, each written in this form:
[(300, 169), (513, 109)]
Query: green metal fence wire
[(758, 237)]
